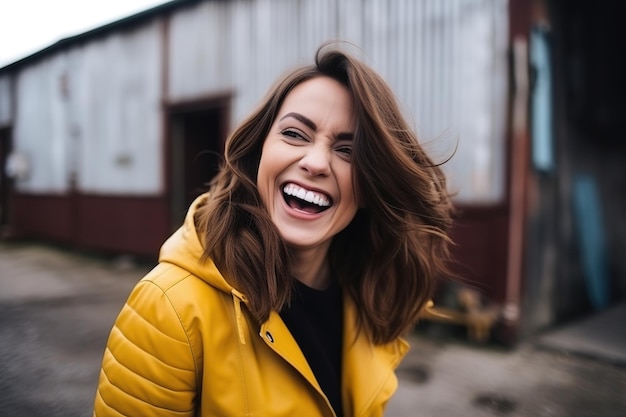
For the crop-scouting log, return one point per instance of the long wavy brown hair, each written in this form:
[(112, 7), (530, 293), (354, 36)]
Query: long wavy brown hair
[(388, 258)]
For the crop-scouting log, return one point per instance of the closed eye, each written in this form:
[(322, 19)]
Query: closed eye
[(293, 134), (345, 151)]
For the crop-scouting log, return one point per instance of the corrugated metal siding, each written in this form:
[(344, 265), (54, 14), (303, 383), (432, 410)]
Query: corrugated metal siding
[(445, 59), (40, 125), (93, 112), (119, 109)]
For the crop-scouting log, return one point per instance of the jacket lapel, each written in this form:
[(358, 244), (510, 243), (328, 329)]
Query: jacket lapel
[(277, 336), (369, 379)]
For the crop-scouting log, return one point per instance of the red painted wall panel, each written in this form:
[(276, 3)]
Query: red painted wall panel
[(136, 225), (42, 216), (480, 253), (124, 224)]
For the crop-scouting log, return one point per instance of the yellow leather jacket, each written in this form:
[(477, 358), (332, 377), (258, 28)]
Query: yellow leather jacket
[(185, 345)]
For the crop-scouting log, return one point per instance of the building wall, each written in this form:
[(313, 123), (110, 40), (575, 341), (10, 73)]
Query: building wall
[(89, 117), (39, 126), (446, 60), (118, 114), (97, 105)]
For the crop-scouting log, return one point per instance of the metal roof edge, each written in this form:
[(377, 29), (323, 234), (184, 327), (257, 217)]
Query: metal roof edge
[(129, 21)]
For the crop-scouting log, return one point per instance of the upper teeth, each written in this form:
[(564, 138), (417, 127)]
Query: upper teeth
[(306, 195)]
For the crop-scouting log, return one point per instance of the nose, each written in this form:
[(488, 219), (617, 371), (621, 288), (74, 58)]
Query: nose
[(316, 160)]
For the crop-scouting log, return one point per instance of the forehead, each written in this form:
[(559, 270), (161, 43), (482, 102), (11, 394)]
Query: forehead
[(321, 97)]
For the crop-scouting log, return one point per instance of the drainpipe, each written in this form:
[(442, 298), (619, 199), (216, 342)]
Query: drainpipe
[(519, 156)]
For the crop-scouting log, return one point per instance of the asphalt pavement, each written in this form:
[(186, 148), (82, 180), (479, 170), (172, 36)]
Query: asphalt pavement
[(57, 307)]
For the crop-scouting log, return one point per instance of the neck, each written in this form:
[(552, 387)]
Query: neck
[(311, 268)]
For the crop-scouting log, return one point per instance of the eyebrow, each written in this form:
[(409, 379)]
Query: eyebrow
[(311, 125)]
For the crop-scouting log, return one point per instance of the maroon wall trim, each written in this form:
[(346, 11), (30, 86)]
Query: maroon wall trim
[(42, 216), (480, 251), (136, 225), (115, 224)]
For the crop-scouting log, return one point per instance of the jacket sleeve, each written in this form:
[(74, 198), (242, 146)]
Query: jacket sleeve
[(148, 366)]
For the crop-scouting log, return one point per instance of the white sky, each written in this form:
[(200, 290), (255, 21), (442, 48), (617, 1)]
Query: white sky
[(27, 26)]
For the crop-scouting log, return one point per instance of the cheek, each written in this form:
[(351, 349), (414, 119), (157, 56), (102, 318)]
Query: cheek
[(272, 163)]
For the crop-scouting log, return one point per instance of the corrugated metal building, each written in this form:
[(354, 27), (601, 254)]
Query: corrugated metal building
[(108, 135)]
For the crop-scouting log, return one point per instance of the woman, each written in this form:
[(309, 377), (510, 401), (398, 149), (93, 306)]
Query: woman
[(291, 283)]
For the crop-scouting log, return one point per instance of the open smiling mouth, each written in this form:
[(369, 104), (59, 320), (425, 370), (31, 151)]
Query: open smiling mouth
[(305, 200)]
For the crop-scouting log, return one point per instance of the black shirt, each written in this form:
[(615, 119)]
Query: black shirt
[(315, 320)]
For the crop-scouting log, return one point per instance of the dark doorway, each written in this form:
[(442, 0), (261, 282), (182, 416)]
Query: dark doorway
[(5, 181), (197, 144)]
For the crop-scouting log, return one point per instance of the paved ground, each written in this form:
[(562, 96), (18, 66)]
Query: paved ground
[(57, 307)]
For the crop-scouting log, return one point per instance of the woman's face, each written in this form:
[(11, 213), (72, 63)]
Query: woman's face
[(305, 175)]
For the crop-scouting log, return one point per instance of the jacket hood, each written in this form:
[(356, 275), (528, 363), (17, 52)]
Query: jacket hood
[(184, 249)]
